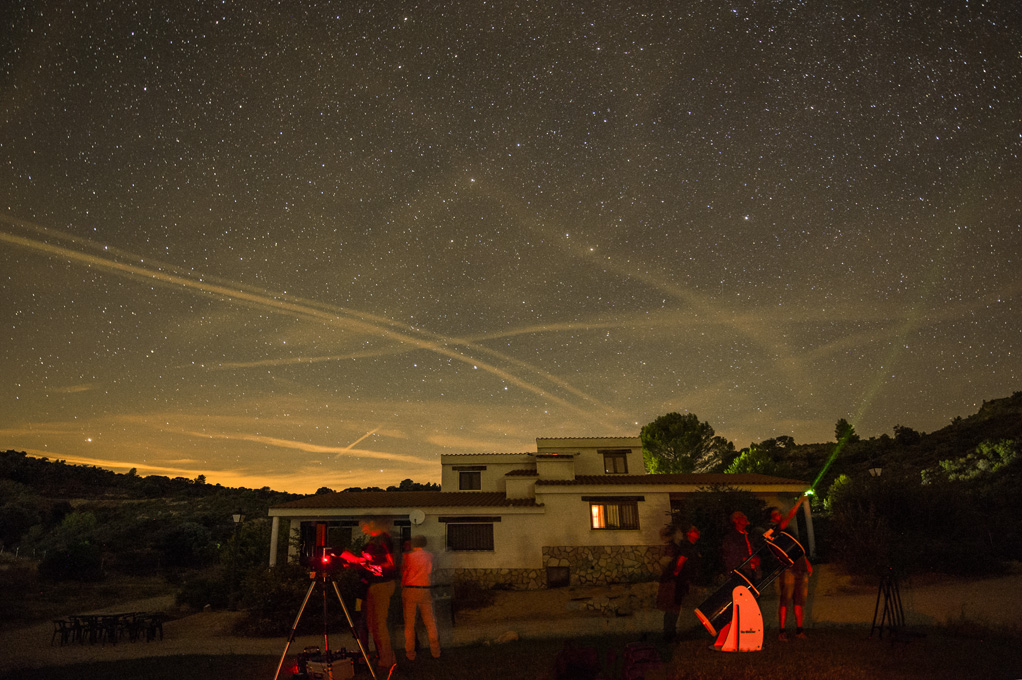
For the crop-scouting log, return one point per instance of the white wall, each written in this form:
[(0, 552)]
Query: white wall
[(492, 478), (517, 542), (590, 459)]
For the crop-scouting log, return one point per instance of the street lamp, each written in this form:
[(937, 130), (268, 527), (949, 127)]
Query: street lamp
[(238, 517)]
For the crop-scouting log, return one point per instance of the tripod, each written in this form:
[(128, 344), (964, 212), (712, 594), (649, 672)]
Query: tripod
[(323, 578), (893, 614)]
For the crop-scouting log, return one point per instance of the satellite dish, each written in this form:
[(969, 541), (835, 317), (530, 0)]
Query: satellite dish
[(416, 516)]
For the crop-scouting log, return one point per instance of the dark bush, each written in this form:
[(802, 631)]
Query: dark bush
[(138, 561), (16, 518), (76, 562), (272, 597), (206, 589), (187, 544), (882, 524)]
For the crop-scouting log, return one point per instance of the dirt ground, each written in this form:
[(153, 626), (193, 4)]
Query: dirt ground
[(834, 600)]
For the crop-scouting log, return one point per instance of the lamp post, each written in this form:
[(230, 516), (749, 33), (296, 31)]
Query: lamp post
[(238, 517)]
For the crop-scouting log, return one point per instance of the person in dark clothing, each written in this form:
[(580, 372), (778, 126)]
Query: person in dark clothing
[(682, 566), (380, 574), (737, 547)]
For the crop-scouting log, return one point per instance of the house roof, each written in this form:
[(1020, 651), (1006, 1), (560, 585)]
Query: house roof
[(497, 499), (620, 436), (521, 453), (694, 479), (406, 499)]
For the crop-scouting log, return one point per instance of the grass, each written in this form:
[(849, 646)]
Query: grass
[(829, 654)]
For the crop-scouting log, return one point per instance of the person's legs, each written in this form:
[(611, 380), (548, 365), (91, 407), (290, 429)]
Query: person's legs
[(800, 595), (379, 604), (409, 603), (429, 619), (787, 586), (671, 624)]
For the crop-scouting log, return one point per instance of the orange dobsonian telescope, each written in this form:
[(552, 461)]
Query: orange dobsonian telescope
[(778, 552)]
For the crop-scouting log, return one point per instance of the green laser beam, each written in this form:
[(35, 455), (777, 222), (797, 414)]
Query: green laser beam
[(826, 466)]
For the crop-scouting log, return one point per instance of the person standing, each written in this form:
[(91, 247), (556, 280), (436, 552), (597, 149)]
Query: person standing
[(381, 574), (737, 548), (416, 581), (794, 581), (681, 567)]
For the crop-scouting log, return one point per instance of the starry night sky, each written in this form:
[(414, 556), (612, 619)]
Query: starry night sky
[(305, 244)]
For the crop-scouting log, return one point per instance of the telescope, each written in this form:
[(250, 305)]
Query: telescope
[(778, 552)]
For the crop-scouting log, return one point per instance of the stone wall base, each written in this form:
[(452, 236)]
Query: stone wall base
[(569, 565)]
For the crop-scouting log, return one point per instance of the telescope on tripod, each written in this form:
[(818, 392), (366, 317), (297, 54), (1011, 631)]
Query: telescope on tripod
[(325, 566)]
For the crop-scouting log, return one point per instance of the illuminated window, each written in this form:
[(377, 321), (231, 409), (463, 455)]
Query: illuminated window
[(614, 515), (615, 462)]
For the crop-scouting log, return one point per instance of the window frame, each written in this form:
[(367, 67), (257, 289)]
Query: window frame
[(470, 537), (615, 455), (623, 517), (474, 477), (470, 472), (470, 520)]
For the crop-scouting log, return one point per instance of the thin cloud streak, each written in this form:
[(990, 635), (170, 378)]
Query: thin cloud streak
[(297, 307), (307, 447)]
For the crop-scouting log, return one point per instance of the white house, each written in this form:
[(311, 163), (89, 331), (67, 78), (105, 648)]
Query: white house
[(578, 510)]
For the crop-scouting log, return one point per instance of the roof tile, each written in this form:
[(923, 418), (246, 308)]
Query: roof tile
[(696, 479), (400, 499)]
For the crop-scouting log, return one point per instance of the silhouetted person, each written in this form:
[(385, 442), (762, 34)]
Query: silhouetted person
[(737, 547), (680, 568)]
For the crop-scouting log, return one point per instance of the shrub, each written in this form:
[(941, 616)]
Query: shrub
[(880, 524), (76, 562), (205, 589), (186, 544), (272, 598)]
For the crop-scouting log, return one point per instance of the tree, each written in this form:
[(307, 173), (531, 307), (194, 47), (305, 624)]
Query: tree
[(676, 443), (409, 485), (753, 459), (717, 456), (844, 433), (906, 436)]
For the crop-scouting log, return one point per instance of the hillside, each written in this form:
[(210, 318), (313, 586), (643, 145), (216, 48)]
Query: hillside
[(904, 454), (908, 452)]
